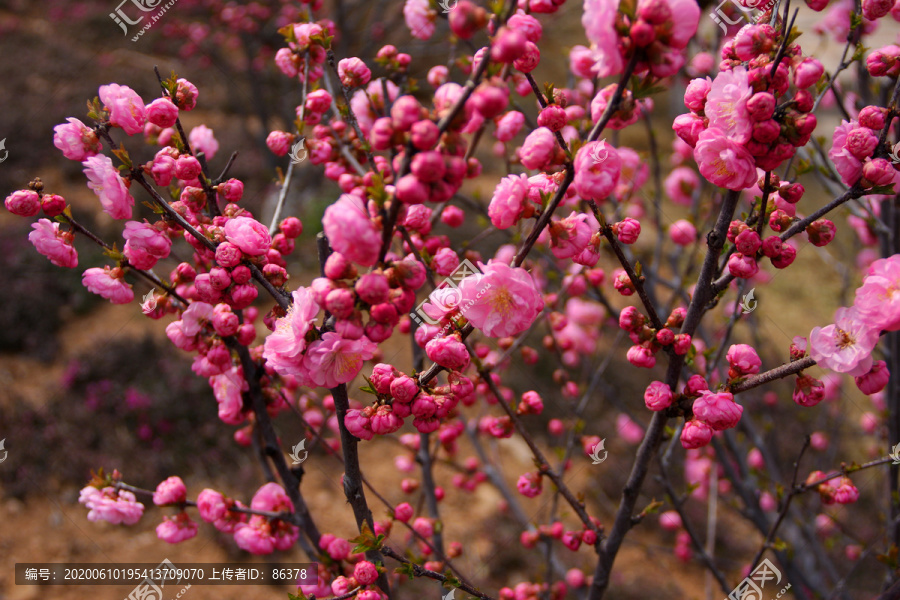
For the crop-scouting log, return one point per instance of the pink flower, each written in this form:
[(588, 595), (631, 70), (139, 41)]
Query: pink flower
[(350, 231), (76, 140), (108, 284), (448, 352), (176, 529), (255, 536), (683, 232), (272, 498), (186, 95), (696, 434), (509, 125), (211, 505), (878, 299), (875, 380), (126, 109), (227, 388), (570, 236), (104, 180), (641, 356), (726, 104), (597, 169), (284, 346), (808, 391), (538, 149), (202, 140), (723, 161), (385, 421), (658, 396), (353, 72), (365, 573), (846, 492), (529, 484), (848, 166), (162, 112), (743, 360), (598, 20), (251, 236), (846, 346), (627, 230), (24, 203), (55, 245), (419, 18), (170, 491), (279, 142), (334, 360), (110, 505), (718, 410), (509, 201), (445, 261), (358, 423), (681, 184), (144, 244), (501, 302), (630, 431)]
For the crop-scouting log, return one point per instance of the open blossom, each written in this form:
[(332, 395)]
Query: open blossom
[(211, 505), (419, 18), (743, 360), (350, 231), (202, 140), (110, 505), (104, 180), (597, 170), (501, 302), (170, 491), (284, 346), (509, 201), (55, 245), (538, 149), (251, 236), (144, 245), (847, 164), (845, 346), (718, 410), (227, 388), (104, 282), (603, 59), (176, 529), (126, 109), (726, 104), (723, 161), (76, 140), (878, 299), (334, 360)]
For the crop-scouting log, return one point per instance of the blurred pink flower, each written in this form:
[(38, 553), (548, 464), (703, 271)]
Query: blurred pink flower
[(55, 245), (202, 139), (420, 18), (104, 180), (170, 491), (176, 529), (509, 200), (284, 346), (351, 232), (878, 299), (111, 506)]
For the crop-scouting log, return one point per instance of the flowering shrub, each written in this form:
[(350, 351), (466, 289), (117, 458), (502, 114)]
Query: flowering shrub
[(405, 158)]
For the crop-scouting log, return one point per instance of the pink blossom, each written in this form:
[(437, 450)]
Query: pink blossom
[(283, 347), (202, 140), (808, 391), (630, 431), (726, 105), (627, 230), (144, 245), (211, 505), (126, 109), (848, 166), (177, 529), (597, 169), (170, 491), (350, 231), (162, 112), (538, 149), (272, 498), (365, 573), (598, 20), (501, 302), (110, 505), (334, 360), (448, 352), (419, 18), (509, 201), (570, 236), (385, 421), (743, 360), (878, 299), (279, 142), (445, 261), (403, 512), (186, 95), (509, 125), (76, 140), (846, 346), (354, 72), (55, 245), (696, 434), (641, 356), (255, 536), (108, 284), (723, 161), (104, 180), (358, 423), (875, 380), (718, 410), (683, 232), (227, 388), (846, 492), (404, 388), (24, 203), (658, 396), (530, 484), (251, 236)]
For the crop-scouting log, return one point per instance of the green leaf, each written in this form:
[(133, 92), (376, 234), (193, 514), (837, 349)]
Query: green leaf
[(638, 268), (301, 596), (882, 189), (406, 569)]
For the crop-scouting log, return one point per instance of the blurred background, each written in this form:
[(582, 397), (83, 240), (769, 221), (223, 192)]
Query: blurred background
[(85, 384)]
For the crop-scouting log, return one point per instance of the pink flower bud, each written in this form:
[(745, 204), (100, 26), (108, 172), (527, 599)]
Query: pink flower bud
[(761, 106), (529, 60), (24, 203), (682, 344), (232, 190), (696, 434), (404, 389), (162, 112), (357, 423), (627, 230), (658, 396), (490, 99), (403, 512), (879, 172), (747, 242), (279, 142), (353, 72), (718, 410), (695, 385), (683, 232), (410, 190), (424, 134), (875, 380), (225, 322), (743, 360), (538, 149), (228, 255), (788, 253), (365, 572), (553, 117), (186, 95), (875, 9), (170, 491), (631, 319), (873, 117), (641, 356), (509, 44), (248, 234), (428, 166), (808, 73), (187, 168), (530, 485), (696, 93), (821, 232), (742, 266), (219, 278)]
